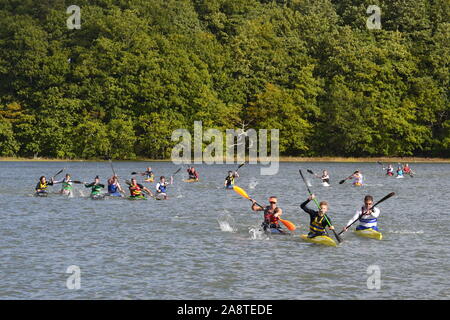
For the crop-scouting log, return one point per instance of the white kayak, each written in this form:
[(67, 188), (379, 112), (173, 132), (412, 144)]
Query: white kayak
[(325, 184)]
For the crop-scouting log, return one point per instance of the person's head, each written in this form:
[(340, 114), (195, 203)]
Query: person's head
[(230, 173), (368, 201), (149, 169), (273, 201), (42, 179), (67, 176), (97, 179), (325, 172), (162, 178), (323, 205), (133, 181)]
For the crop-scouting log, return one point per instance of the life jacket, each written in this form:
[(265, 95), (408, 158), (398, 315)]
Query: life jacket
[(229, 180), (66, 185), (135, 191), (42, 186), (315, 225), (406, 169), (358, 180), (400, 172), (369, 222), (112, 188), (269, 217), (162, 188)]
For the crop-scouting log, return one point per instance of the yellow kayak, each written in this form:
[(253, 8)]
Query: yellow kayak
[(325, 240), (190, 180), (369, 233), (149, 180)]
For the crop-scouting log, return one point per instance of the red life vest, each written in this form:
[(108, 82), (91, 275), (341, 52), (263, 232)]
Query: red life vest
[(269, 216), (135, 190)]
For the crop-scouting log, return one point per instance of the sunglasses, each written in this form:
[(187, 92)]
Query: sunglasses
[(273, 202)]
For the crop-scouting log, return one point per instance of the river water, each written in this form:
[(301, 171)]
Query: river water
[(204, 243)]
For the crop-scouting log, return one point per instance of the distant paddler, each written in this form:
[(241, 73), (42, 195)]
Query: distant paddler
[(161, 188), (193, 174), (41, 187), (96, 188), (272, 214), (389, 170), (148, 173), (114, 187), (66, 188), (407, 170), (357, 178), (325, 177), (399, 172), (137, 189), (319, 221), (229, 180)]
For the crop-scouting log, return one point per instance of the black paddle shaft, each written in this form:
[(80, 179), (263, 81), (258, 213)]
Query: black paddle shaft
[(377, 203)]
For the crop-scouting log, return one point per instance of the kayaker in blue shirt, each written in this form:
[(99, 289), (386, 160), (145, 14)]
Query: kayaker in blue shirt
[(114, 188), (367, 216), (399, 172), (161, 188)]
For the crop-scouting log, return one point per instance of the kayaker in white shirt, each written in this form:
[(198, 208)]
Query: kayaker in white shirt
[(367, 216)]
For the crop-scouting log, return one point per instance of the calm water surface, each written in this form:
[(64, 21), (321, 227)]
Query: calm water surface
[(203, 242)]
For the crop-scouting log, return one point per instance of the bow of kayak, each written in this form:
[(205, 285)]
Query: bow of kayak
[(190, 180), (369, 233), (324, 240)]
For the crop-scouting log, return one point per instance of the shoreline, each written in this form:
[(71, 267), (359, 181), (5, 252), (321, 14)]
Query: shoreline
[(281, 159)]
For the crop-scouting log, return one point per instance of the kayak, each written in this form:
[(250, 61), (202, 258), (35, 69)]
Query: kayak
[(357, 184), (114, 195), (97, 196), (41, 194), (149, 180), (160, 196), (137, 198), (399, 177), (325, 184), (190, 180), (229, 187), (325, 240), (369, 233)]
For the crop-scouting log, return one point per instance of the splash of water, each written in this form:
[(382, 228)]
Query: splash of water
[(253, 183), (257, 234), (227, 223)]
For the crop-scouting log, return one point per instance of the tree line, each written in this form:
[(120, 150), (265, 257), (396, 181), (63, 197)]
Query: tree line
[(136, 70)]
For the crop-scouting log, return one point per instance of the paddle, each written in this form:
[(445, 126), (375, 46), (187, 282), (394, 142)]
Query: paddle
[(342, 181), (179, 169), (318, 206), (54, 176), (244, 194), (377, 203), (240, 166), (117, 177)]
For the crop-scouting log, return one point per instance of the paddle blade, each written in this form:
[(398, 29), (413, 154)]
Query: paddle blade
[(342, 181), (176, 171), (288, 224), (384, 198), (242, 164), (241, 192), (134, 173), (310, 171)]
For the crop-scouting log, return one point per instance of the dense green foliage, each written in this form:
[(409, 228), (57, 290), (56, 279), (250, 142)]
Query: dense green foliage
[(139, 69)]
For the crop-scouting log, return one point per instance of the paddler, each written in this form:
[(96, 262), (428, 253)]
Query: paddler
[(407, 170), (137, 188), (357, 178), (42, 185), (66, 187), (399, 172), (193, 174), (389, 170), (96, 187), (272, 214), (229, 180), (161, 187), (114, 188), (325, 177), (150, 176), (318, 219), (367, 216)]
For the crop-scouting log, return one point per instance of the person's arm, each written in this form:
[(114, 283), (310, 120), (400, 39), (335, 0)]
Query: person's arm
[(157, 187), (256, 207), (278, 213), (327, 223), (37, 186), (88, 185), (101, 185), (236, 175), (354, 218), (306, 209)]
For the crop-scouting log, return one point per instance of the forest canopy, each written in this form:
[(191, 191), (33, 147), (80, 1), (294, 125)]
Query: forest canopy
[(136, 70)]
